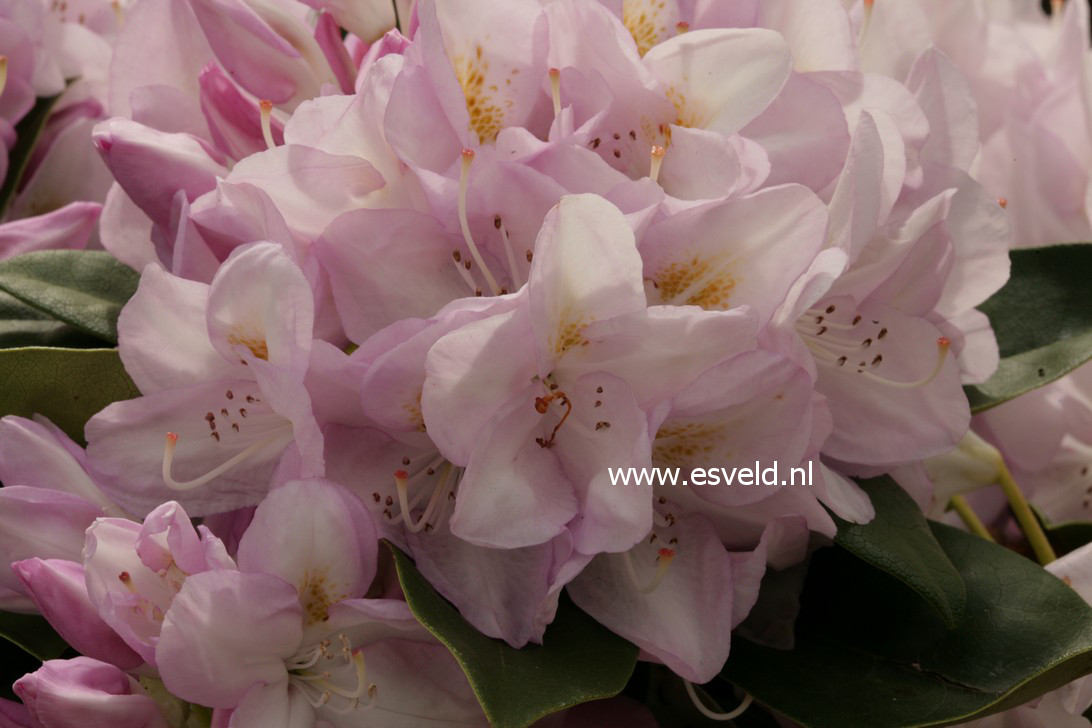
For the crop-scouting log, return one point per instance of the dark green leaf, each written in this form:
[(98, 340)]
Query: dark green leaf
[(22, 325), (83, 288), (898, 541), (65, 385), (579, 660), (33, 634), (868, 652), (27, 132), (1043, 321), (1066, 536)]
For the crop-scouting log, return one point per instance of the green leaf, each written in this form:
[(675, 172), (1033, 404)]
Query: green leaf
[(898, 541), (868, 652), (1042, 319), (22, 325), (27, 132), (65, 385), (85, 289), (32, 634), (579, 660)]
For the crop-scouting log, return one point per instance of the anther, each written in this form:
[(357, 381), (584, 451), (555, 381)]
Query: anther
[(266, 108), (681, 27), (3, 74), (657, 155), (555, 90), (1003, 202)]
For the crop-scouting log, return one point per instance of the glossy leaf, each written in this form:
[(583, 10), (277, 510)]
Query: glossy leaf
[(65, 385), (22, 325), (27, 132), (579, 660), (83, 288), (1042, 319), (898, 541), (870, 652), (32, 634)]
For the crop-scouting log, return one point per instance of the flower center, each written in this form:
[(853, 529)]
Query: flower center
[(857, 346), (243, 420), (332, 676)]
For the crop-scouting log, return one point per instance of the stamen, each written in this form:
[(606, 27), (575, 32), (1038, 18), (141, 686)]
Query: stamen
[(542, 406), (3, 74), (663, 561), (657, 155), (681, 27), (401, 478), (464, 175), (825, 356), (866, 21), (118, 13), (266, 107), (513, 270), (555, 90), (1003, 202), (168, 459), (709, 713), (463, 272)]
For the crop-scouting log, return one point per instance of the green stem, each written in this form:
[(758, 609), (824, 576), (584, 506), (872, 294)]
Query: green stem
[(960, 505), (1027, 520)]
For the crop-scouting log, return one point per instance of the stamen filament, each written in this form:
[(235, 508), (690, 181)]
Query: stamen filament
[(266, 107), (747, 699), (555, 90), (663, 561), (168, 459), (657, 155), (456, 259), (3, 74), (513, 270), (464, 175), (118, 13), (866, 21), (943, 344), (400, 480), (542, 406)]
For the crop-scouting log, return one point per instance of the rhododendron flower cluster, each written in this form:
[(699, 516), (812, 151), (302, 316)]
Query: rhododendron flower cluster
[(396, 288)]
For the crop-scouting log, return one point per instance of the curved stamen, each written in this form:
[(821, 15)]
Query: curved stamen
[(513, 270), (168, 459), (401, 481), (464, 272), (542, 406), (866, 21), (657, 158), (266, 107), (555, 90), (663, 561), (709, 713), (943, 344), (464, 175)]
